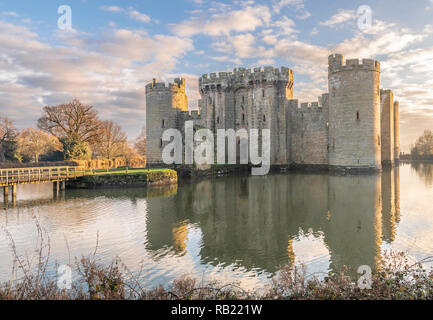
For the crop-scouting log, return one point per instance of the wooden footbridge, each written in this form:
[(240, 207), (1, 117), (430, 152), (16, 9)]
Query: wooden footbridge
[(11, 178)]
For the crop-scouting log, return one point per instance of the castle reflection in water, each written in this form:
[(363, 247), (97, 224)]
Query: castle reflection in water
[(253, 221)]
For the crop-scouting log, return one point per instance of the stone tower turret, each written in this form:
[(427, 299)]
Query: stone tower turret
[(387, 126), (354, 113), (163, 106), (396, 131)]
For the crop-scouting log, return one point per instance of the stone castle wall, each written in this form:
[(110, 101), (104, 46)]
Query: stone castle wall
[(387, 126), (309, 133), (354, 113), (354, 125), (163, 107)]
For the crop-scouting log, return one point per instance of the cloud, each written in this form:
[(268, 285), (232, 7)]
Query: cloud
[(133, 14), (109, 72), (111, 8), (10, 14), (297, 4), (339, 18), (244, 20), (141, 17)]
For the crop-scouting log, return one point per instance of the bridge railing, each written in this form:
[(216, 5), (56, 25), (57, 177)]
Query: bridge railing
[(39, 174)]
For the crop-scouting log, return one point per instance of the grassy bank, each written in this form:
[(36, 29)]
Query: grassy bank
[(124, 177)]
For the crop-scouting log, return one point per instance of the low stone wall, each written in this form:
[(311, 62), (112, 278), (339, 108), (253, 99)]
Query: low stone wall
[(139, 179)]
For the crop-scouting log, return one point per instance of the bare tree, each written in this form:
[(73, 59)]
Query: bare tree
[(34, 143), (113, 141), (73, 121), (424, 145), (8, 132), (140, 143), (8, 136)]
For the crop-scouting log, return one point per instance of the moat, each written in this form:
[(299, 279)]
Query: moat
[(235, 228)]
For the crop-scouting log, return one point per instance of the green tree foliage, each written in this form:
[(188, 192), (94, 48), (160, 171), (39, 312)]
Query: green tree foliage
[(73, 149)]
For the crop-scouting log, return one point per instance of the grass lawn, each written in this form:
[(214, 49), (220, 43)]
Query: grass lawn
[(124, 171)]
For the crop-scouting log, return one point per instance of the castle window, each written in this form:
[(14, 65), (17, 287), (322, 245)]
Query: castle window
[(243, 118), (333, 144), (263, 93), (357, 115), (160, 142), (218, 120), (378, 140), (163, 123), (243, 99), (264, 118)]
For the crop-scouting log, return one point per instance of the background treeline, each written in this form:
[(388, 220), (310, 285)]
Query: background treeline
[(70, 131), (423, 148)]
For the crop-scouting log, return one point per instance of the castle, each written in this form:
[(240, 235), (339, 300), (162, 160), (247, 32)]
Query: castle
[(355, 125)]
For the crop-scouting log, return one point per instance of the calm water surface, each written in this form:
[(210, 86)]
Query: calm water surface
[(231, 228)]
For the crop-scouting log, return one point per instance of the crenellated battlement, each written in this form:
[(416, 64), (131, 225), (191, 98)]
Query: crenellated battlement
[(306, 107), (336, 64), (245, 76), (178, 85)]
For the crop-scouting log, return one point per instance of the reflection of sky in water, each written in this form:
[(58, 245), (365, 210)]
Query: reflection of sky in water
[(233, 229)]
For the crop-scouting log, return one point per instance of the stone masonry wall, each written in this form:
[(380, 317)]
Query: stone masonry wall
[(396, 131), (354, 113), (354, 125), (309, 134), (387, 126), (163, 105), (246, 99)]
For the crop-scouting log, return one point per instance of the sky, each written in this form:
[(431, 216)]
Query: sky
[(114, 48)]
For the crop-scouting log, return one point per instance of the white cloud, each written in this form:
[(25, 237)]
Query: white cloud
[(339, 18), (109, 72), (243, 20), (285, 26), (111, 8), (10, 14), (141, 17), (297, 4), (133, 14)]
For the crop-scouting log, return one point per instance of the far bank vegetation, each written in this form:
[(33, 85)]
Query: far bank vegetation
[(70, 133)]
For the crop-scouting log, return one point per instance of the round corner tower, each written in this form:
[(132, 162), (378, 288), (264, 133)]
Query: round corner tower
[(354, 113), (163, 105)]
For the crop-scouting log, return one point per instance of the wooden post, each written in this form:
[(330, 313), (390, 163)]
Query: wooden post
[(62, 185), (56, 187), (14, 194), (6, 194)]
